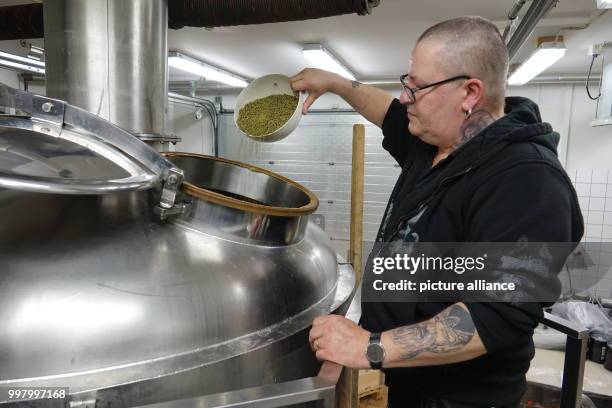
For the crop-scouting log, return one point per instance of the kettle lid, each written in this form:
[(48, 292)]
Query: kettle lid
[(50, 146)]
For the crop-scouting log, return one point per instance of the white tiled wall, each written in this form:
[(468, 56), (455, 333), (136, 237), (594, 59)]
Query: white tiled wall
[(594, 189)]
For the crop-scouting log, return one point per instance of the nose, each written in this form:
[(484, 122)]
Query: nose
[(404, 100)]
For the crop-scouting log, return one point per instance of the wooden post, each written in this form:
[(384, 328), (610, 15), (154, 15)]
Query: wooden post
[(346, 390), (356, 232)]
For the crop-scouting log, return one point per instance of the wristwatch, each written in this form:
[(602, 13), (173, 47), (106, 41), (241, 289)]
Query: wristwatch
[(375, 352)]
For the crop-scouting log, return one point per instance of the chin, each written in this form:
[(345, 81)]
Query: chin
[(414, 129)]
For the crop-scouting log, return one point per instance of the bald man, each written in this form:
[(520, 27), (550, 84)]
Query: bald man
[(453, 123)]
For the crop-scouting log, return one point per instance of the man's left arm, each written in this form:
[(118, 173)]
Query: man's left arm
[(449, 337)]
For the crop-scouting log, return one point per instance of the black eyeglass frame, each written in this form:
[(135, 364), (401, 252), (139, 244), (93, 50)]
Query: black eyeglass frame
[(410, 92)]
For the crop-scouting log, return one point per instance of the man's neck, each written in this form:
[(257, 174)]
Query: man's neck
[(475, 123)]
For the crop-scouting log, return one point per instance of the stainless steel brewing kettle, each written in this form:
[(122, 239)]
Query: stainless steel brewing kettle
[(131, 277)]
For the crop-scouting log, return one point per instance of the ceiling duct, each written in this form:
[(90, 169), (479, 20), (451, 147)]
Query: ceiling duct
[(535, 13), (26, 21)]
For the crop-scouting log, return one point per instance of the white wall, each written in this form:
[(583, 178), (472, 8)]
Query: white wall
[(196, 134)]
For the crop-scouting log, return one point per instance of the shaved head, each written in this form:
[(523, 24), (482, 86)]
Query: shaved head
[(472, 46)]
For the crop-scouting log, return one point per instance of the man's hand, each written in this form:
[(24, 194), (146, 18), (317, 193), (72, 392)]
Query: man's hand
[(369, 101), (340, 340), (316, 82)]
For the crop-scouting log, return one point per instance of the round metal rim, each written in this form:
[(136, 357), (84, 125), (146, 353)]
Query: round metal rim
[(221, 199)]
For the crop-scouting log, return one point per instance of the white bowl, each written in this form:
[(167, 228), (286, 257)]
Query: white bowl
[(274, 84)]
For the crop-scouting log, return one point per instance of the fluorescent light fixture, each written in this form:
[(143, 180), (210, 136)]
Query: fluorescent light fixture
[(322, 58), (542, 58), (209, 72), (21, 63), (604, 4)]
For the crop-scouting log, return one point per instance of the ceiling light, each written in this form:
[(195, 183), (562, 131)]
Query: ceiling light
[(542, 58), (21, 63), (604, 4), (322, 58), (209, 72)]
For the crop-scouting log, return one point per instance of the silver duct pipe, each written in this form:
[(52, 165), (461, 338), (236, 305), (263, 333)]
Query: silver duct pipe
[(512, 15), (110, 57), (537, 10)]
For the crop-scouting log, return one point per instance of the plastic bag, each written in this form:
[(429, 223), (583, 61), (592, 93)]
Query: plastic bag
[(589, 315)]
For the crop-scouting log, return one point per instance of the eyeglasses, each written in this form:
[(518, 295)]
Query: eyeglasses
[(411, 91)]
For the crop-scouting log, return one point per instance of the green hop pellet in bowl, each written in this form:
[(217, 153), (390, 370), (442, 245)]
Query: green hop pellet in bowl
[(265, 115), (276, 112)]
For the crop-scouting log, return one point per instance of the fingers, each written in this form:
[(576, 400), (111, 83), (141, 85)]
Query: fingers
[(309, 101), (298, 84), (323, 355)]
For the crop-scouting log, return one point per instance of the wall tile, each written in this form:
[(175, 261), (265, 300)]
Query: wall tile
[(583, 189), (584, 175), (597, 204), (595, 217), (606, 231), (599, 176), (598, 190)]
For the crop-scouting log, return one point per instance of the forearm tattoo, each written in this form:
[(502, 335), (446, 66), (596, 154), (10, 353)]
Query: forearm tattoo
[(356, 84), (450, 330), (477, 121)]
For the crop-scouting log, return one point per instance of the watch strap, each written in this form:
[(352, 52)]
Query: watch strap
[(375, 339)]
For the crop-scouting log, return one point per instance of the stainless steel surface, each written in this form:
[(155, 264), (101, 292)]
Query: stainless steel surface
[(149, 312), (537, 11), (98, 295), (321, 388), (49, 146), (109, 57), (275, 214)]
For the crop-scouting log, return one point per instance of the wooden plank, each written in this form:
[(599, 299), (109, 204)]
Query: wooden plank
[(346, 390)]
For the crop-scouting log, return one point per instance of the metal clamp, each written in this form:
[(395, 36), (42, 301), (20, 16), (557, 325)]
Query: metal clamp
[(176, 209), (47, 114), (173, 177)]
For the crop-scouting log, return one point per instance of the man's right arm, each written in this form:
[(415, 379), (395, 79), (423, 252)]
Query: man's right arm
[(371, 102)]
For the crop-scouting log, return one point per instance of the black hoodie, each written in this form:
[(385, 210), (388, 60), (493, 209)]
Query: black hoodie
[(504, 185)]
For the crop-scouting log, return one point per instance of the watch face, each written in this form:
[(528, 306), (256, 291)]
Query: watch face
[(375, 353)]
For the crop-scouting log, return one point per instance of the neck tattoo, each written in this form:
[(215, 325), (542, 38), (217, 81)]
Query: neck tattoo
[(477, 121)]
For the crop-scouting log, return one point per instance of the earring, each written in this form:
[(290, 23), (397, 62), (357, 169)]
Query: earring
[(468, 113)]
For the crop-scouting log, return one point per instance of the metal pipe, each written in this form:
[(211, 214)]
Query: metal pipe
[(211, 109), (537, 10), (512, 15), (110, 57)]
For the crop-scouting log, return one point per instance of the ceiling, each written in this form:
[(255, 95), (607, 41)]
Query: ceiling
[(377, 46)]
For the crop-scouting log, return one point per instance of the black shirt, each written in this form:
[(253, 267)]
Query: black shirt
[(504, 185)]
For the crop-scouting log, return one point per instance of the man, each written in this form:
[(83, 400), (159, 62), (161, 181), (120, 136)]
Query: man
[(475, 168)]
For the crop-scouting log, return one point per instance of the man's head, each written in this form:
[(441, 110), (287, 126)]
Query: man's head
[(470, 46)]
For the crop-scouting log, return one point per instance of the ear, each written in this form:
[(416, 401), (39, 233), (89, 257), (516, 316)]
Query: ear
[(474, 94)]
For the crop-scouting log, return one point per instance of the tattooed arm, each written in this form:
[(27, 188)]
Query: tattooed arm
[(449, 337), (369, 101)]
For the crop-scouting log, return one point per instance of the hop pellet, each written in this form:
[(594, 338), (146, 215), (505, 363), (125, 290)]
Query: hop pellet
[(265, 115)]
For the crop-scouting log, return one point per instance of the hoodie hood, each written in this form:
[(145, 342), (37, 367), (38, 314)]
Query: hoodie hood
[(522, 123)]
